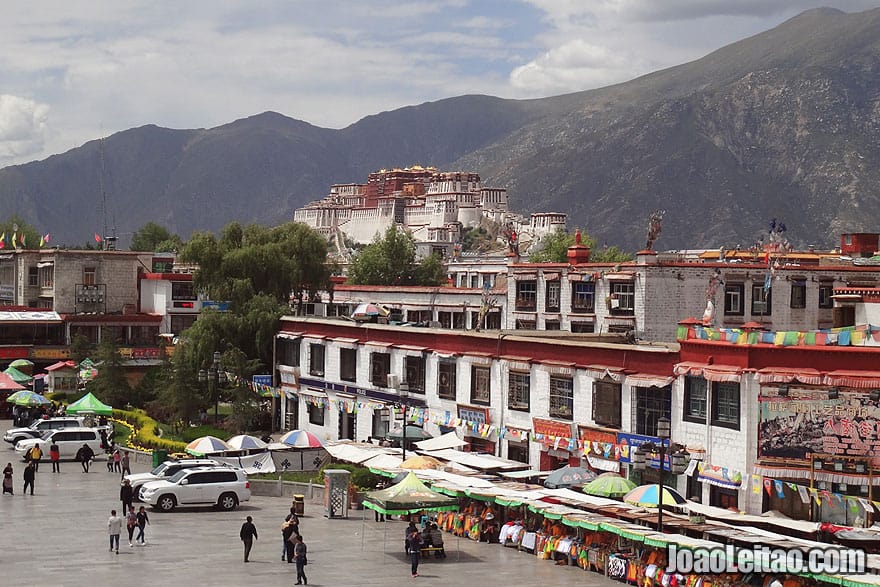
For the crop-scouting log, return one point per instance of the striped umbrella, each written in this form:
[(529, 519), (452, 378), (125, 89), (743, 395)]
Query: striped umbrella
[(246, 442), (207, 445), (647, 496), (301, 439)]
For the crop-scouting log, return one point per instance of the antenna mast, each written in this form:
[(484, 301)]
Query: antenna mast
[(103, 196)]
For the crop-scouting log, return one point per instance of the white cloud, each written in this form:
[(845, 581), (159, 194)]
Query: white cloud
[(23, 124)]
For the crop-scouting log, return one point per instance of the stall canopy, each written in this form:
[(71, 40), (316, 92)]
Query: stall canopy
[(18, 376), (408, 497), (7, 383), (448, 440), (89, 404)]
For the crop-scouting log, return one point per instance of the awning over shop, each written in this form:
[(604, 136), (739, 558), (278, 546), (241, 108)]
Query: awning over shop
[(603, 464), (857, 379), (602, 371), (645, 380), (476, 461), (448, 440), (716, 373), (788, 375)]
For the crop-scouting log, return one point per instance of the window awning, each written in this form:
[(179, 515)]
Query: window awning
[(647, 380), (42, 264), (313, 392), (560, 368), (716, 373), (411, 350), (788, 375), (444, 355), (378, 345), (601, 371), (289, 335), (620, 276), (551, 276), (314, 336), (857, 379), (479, 358), (349, 343)]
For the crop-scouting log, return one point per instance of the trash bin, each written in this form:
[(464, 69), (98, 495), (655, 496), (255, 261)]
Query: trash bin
[(159, 456), (299, 504)]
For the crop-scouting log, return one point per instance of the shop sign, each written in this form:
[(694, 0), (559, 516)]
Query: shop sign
[(628, 442), (599, 443), (140, 353), (792, 428), (548, 431), (13, 352), (50, 353)]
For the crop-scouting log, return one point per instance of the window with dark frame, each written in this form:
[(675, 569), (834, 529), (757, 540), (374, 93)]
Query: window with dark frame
[(480, 385), (316, 414), (648, 406), (725, 404), (734, 303), (415, 373), (761, 300), (695, 399), (623, 298), (583, 297), (606, 403), (526, 295), (89, 275), (348, 364), (561, 398), (33, 276), (446, 384), (316, 359), (798, 293), (288, 351), (551, 300), (518, 391), (826, 290), (380, 366)]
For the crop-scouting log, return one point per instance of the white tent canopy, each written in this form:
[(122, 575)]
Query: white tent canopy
[(448, 440), (476, 461)]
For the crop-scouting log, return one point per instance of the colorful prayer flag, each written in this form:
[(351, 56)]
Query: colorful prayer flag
[(97, 237), (23, 235)]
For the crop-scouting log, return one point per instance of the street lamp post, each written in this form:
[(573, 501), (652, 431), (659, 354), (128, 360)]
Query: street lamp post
[(663, 432), (215, 376)]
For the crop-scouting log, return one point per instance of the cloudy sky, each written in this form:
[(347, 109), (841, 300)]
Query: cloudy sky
[(72, 71)]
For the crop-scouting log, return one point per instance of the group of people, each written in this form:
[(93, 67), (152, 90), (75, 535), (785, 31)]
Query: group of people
[(293, 548), (119, 462), (133, 520), (429, 537)]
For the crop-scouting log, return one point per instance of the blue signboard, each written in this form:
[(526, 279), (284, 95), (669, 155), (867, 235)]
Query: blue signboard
[(627, 442), (263, 380), (219, 306)]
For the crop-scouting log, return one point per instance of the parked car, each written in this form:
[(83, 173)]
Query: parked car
[(222, 486), (69, 440), (168, 469), (39, 427)]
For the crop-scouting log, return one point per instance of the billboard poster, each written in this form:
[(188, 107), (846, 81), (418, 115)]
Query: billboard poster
[(809, 422)]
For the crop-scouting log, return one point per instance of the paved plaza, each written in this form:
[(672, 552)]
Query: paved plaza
[(59, 538)]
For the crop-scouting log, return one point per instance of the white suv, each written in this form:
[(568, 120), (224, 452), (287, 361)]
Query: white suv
[(39, 427), (222, 486), (69, 441), (166, 470)]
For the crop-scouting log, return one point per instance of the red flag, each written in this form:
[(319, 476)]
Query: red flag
[(97, 237)]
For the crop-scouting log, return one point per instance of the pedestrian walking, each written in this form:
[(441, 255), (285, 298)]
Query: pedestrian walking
[(117, 457), (126, 495), (142, 519), (34, 455), (414, 544), (84, 455), (131, 522), (287, 534), (248, 534), (114, 526), (29, 475), (55, 457), (7, 479), (299, 554), (293, 520), (126, 464)]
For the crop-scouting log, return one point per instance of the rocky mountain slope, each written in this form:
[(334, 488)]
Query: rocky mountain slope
[(783, 124)]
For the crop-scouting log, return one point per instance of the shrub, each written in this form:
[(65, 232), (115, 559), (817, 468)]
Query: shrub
[(361, 477), (144, 435)]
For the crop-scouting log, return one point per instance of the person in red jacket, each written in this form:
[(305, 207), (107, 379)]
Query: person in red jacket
[(55, 457)]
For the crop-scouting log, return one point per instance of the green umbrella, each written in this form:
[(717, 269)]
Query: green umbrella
[(18, 376), (89, 404), (609, 485), (28, 399), (22, 364)]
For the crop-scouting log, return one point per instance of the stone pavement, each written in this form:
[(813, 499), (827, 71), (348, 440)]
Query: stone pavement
[(59, 538)]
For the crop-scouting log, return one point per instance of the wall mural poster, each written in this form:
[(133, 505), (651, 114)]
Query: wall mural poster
[(809, 422)]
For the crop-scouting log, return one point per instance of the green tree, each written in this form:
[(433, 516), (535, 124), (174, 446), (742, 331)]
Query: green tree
[(15, 226), (554, 249), (111, 385), (391, 260), (155, 238)]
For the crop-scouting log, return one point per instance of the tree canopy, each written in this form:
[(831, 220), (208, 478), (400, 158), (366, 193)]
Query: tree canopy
[(155, 238), (554, 249), (391, 260)]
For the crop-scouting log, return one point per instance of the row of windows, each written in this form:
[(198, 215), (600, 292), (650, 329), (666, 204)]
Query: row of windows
[(762, 302), (621, 301), (720, 408)]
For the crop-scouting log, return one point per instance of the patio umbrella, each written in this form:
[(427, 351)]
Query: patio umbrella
[(207, 445), (89, 404), (568, 476), (23, 365), (301, 439), (421, 462), (413, 432), (246, 442), (609, 485), (8, 384), (646, 496), (368, 310), (18, 376), (28, 399)]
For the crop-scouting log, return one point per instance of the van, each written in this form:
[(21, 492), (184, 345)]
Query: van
[(69, 441)]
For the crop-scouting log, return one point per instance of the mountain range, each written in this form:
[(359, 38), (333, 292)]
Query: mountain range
[(784, 124)]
